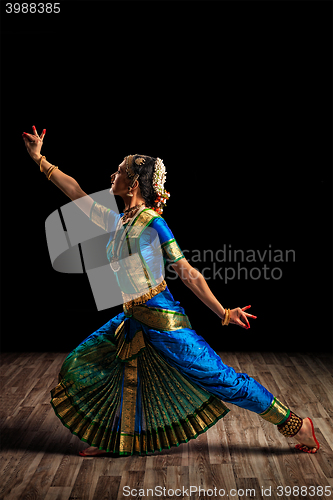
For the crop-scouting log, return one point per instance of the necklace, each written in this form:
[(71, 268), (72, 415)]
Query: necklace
[(128, 213), (133, 208), (114, 261)]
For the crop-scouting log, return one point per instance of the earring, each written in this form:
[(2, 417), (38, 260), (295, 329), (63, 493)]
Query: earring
[(129, 191)]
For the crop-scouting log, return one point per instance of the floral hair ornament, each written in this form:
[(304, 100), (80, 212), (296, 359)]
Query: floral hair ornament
[(158, 184)]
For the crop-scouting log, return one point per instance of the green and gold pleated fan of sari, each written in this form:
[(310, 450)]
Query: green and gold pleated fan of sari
[(122, 397)]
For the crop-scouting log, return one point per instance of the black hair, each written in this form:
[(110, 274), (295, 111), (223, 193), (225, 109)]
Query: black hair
[(146, 171)]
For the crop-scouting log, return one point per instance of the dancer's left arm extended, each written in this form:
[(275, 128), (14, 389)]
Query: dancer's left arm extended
[(195, 281)]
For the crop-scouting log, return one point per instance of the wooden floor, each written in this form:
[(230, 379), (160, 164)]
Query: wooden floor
[(242, 456)]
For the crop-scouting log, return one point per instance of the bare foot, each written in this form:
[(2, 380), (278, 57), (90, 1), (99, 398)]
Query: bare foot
[(91, 451), (305, 437)]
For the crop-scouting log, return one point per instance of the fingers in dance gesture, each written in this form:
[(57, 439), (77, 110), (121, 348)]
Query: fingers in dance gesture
[(33, 143), (239, 317)]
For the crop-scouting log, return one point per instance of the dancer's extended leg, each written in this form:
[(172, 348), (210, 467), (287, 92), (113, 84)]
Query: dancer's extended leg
[(244, 391)]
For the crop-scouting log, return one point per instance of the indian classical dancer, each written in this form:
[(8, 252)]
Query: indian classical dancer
[(146, 381)]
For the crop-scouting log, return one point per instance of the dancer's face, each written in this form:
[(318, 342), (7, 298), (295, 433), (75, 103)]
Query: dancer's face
[(119, 180)]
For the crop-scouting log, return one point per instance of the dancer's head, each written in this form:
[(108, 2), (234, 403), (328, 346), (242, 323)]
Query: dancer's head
[(141, 173)]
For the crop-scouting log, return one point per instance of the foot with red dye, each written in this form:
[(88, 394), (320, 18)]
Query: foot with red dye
[(306, 437), (91, 452)]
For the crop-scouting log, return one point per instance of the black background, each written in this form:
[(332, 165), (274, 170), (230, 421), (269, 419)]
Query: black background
[(235, 97)]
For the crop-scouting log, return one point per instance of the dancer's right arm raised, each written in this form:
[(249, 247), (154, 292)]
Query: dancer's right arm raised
[(68, 185)]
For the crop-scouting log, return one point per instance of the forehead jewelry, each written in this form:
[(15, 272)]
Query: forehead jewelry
[(129, 164)]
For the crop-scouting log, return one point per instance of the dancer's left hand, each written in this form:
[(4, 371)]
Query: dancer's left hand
[(239, 317)]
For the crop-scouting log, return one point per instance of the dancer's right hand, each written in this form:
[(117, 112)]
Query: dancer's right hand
[(238, 314), (33, 143)]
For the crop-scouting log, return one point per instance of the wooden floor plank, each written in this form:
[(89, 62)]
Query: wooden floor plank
[(58, 493), (107, 488), (217, 444), (39, 456)]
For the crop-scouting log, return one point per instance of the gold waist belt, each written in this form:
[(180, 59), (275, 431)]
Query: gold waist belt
[(159, 319), (154, 317), (129, 302)]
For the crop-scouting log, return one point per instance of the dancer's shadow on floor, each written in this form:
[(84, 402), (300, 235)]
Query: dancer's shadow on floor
[(16, 438)]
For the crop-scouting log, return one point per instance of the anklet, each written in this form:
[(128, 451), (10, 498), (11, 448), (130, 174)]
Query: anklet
[(291, 426)]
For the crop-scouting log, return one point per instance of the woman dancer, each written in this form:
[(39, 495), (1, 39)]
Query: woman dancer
[(146, 381)]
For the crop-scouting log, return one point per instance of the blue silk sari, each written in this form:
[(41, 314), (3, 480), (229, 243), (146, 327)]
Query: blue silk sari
[(146, 381)]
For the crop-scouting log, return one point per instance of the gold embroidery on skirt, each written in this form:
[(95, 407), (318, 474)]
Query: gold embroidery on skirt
[(128, 349), (128, 407), (119, 330), (173, 409), (160, 319)]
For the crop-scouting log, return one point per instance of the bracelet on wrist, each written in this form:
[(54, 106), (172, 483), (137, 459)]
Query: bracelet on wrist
[(40, 162), (225, 321)]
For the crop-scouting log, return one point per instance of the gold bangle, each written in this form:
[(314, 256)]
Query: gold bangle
[(40, 163), (49, 171), (53, 169), (226, 318)]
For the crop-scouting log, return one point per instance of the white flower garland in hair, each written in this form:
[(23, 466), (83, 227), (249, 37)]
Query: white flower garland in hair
[(158, 183)]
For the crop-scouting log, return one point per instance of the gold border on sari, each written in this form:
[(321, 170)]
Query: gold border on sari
[(277, 412), (127, 425), (129, 350), (144, 218), (172, 250), (119, 330), (99, 215), (160, 319)]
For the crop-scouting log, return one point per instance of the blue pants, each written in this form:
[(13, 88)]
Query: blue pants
[(202, 365), (193, 357)]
